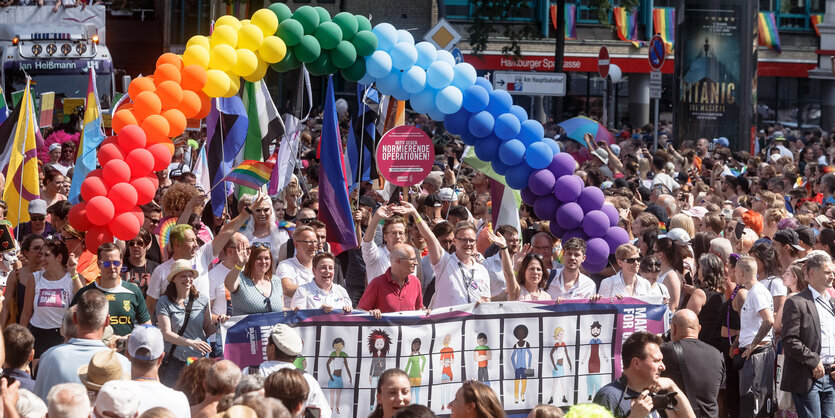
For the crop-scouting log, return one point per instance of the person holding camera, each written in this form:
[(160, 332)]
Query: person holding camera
[(641, 391)]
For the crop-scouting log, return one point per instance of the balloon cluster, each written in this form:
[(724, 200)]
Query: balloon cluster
[(112, 194)]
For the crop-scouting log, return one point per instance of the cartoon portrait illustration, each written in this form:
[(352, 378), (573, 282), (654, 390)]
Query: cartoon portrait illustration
[(379, 343), (447, 359), (521, 361), (482, 356), (593, 357), (414, 368), (301, 361), (337, 362), (559, 358)]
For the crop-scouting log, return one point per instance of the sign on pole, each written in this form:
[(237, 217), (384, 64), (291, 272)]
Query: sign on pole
[(603, 62), (657, 52), (405, 155), (530, 83), (443, 35), (655, 84)]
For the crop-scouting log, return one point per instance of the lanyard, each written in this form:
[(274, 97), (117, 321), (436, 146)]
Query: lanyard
[(728, 314), (819, 301), (468, 281)]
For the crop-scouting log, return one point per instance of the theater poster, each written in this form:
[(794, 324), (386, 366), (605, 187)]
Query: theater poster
[(715, 64)]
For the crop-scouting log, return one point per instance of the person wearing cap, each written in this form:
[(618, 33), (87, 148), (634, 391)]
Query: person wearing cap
[(722, 142), (116, 399), (786, 244), (37, 222), (103, 367), (807, 238), (180, 300), (449, 198), (146, 351), (779, 144), (283, 347), (54, 156), (697, 213), (432, 205)]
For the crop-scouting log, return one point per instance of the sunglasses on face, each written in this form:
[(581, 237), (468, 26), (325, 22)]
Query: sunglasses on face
[(114, 263), (305, 221), (136, 244), (632, 260), (37, 218), (266, 245), (153, 221)]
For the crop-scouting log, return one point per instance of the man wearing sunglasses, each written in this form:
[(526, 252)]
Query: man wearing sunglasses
[(37, 221), (153, 214)]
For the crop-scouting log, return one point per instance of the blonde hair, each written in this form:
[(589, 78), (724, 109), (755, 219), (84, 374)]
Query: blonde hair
[(557, 331), (684, 222)]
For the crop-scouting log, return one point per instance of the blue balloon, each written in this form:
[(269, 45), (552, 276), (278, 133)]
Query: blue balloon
[(424, 101), (555, 147), (538, 155), (413, 80), (426, 54), (500, 102), (445, 56), (512, 152), (438, 75), (476, 98), (519, 112), (378, 64), (389, 84), (464, 77), (405, 36), (386, 36), (499, 167), (366, 79), (401, 94), (531, 131), (456, 123), (483, 82), (449, 100), (468, 138), (481, 125), (486, 149), (436, 115), (517, 176), (403, 55), (507, 126)]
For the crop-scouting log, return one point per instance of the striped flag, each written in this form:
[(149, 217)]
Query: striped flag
[(626, 24), (251, 174), (265, 124), (505, 201), (392, 114), (816, 19), (570, 20), (226, 128), (362, 139), (767, 29), (91, 137), (22, 183), (664, 24), (201, 170)]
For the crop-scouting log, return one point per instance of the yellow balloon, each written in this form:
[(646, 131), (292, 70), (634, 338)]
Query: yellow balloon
[(272, 49), (196, 55), (246, 64), (250, 37), (259, 73), (198, 40), (228, 20), (245, 22), (266, 20), (234, 85), (224, 35), (223, 58), (217, 83)]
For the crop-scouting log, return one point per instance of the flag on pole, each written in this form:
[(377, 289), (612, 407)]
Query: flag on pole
[(334, 206), (92, 136), (570, 20), (265, 125), (7, 135), (22, 183), (504, 200), (362, 139), (664, 24), (816, 20), (626, 23), (768, 35), (392, 114), (250, 173), (226, 128), (201, 170)]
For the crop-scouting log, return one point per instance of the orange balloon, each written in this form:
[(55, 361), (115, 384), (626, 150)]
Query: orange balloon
[(193, 77), (176, 122), (190, 105), (205, 106), (146, 104), (140, 84), (169, 145), (122, 118), (170, 58), (156, 128), (166, 72), (170, 94)]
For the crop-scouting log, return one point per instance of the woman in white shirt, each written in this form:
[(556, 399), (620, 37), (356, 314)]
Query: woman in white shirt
[(650, 266), (627, 282), (529, 283), (322, 292)]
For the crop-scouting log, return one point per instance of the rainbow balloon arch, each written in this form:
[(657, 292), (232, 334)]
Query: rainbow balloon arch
[(182, 87)]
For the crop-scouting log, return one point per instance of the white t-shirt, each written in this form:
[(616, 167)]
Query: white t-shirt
[(52, 299), (201, 262), (667, 180), (376, 259), (314, 398), (458, 284), (775, 286), (583, 288), (494, 269), (758, 299), (614, 285), (311, 296), (277, 241), (217, 289), (152, 394), (292, 269)]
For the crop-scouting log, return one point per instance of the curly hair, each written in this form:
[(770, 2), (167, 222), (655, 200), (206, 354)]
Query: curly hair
[(373, 337), (191, 378), (176, 197)]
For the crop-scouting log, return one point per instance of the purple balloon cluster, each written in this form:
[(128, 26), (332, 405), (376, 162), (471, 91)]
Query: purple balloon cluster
[(559, 196)]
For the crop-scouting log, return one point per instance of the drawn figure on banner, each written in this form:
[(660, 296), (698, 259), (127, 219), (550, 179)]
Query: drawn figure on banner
[(337, 362), (301, 361), (379, 343), (414, 368), (558, 362), (482, 355), (521, 360), (593, 359), (447, 359)]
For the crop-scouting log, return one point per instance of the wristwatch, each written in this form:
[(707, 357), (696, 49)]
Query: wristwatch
[(248, 210)]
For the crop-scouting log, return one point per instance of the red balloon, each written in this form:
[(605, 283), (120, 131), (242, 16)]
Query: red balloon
[(100, 210), (132, 137), (136, 211), (140, 161), (78, 216), (124, 226), (153, 178), (93, 186), (145, 190), (162, 156), (96, 236), (110, 152), (115, 171), (123, 196), (110, 140)]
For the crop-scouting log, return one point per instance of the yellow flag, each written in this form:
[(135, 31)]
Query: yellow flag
[(22, 182)]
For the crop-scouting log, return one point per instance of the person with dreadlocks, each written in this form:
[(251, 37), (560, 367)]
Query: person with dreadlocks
[(379, 343)]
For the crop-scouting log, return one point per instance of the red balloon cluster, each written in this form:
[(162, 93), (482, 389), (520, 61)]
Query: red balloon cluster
[(113, 193)]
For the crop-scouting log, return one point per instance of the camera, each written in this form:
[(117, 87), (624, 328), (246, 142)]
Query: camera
[(664, 401)]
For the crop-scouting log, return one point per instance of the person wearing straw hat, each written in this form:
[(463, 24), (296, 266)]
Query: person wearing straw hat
[(103, 367)]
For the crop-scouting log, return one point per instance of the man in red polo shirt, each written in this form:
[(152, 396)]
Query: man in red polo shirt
[(397, 289)]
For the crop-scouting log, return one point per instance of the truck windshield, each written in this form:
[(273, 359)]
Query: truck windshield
[(64, 85)]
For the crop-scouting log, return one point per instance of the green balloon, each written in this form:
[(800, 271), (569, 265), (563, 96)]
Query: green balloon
[(324, 16), (363, 23), (348, 23), (323, 65), (328, 34), (365, 43), (308, 49), (282, 12), (355, 72), (344, 55), (308, 17), (290, 62), (290, 31)]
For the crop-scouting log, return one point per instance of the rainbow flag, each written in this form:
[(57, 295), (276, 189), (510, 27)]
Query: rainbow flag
[(816, 18), (251, 173), (767, 25), (626, 24), (570, 20), (664, 24)]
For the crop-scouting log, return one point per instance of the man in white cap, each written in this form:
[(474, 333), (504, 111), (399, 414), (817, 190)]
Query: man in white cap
[(146, 351), (37, 222), (116, 399), (283, 346)]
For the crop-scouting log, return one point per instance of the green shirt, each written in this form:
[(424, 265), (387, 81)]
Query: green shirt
[(127, 305), (299, 362), (414, 366)]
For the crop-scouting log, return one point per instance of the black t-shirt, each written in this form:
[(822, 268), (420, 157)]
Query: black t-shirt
[(709, 316), (705, 371), (139, 275), (727, 315), (613, 397), (154, 253)]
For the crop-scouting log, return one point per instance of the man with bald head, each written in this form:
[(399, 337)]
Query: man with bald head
[(397, 289), (221, 380), (695, 366), (217, 289)]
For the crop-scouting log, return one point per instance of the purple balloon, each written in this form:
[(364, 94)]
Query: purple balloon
[(591, 198), (568, 188), (596, 223), (612, 213), (562, 165), (574, 233), (545, 206), (541, 182), (594, 268), (615, 237), (597, 251), (556, 229), (528, 196), (569, 215)]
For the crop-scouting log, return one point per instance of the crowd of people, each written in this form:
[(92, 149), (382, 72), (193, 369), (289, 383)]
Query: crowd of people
[(738, 247)]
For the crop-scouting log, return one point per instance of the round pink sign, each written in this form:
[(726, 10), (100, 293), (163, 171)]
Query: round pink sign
[(405, 155)]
